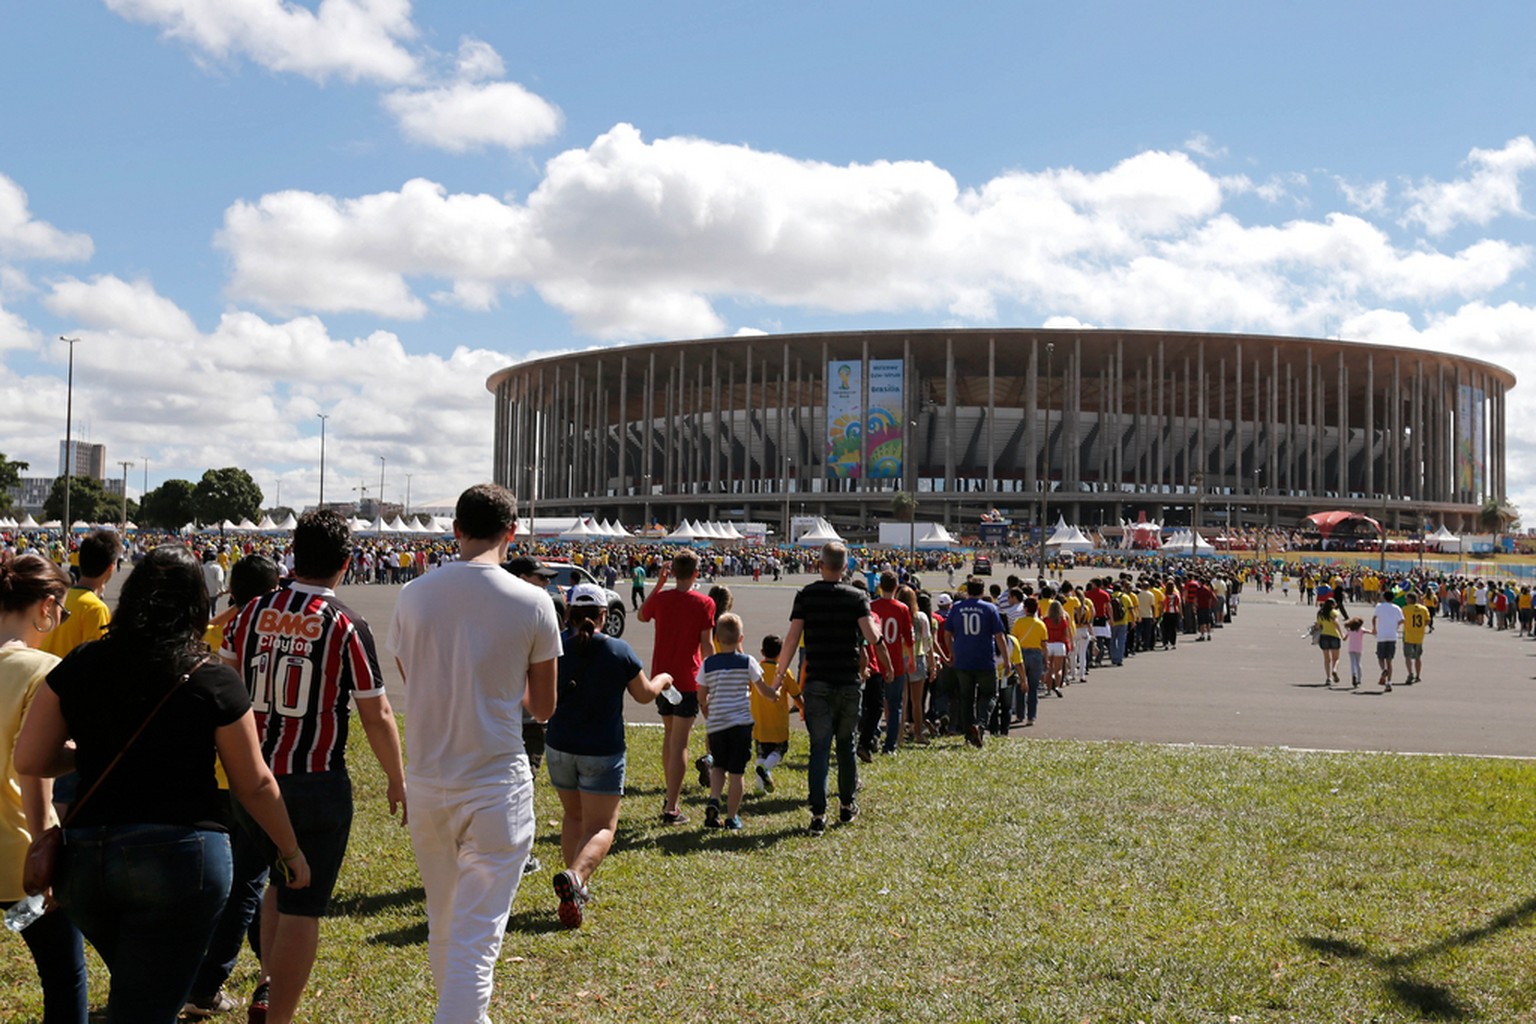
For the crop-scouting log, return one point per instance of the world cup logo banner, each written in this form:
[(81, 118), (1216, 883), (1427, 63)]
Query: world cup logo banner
[(845, 418)]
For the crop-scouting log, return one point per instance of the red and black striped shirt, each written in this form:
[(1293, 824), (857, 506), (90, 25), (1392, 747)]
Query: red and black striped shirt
[(303, 655)]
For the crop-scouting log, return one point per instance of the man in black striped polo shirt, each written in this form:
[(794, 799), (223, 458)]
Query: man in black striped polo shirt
[(834, 620)]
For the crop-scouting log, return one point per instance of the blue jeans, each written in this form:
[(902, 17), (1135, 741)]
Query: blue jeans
[(1117, 643), (1034, 671), (895, 697), (235, 922), (59, 954), (831, 715), (146, 897)]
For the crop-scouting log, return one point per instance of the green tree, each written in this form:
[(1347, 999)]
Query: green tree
[(904, 506), (170, 506), (227, 493), (88, 502), (1496, 516), (10, 476)]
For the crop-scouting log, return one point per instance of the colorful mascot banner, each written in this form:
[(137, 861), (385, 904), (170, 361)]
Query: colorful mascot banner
[(886, 402), (845, 418)]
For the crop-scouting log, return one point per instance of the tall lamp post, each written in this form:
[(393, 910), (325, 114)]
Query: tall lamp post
[(1194, 542), (146, 477), (323, 418), (69, 447), (125, 463), (408, 494), (381, 487), (789, 469), (1045, 483)]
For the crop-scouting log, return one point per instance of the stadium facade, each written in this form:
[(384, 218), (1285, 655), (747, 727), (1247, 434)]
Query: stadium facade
[(1244, 429)]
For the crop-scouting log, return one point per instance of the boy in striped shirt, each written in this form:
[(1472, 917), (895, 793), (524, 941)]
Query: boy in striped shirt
[(725, 687)]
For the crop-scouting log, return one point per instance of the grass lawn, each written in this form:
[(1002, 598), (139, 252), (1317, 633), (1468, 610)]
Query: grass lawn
[(1032, 881)]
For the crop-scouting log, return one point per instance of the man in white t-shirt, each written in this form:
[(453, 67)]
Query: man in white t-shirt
[(1385, 622), (475, 644)]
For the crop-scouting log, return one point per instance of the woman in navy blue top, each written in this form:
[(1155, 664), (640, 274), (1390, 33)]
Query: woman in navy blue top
[(584, 741)]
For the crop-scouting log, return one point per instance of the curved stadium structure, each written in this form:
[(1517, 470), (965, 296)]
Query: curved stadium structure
[(1249, 429)]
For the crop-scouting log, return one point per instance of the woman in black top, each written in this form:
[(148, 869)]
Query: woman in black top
[(146, 867)]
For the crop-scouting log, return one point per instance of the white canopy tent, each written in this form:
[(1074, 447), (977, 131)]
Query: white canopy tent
[(1443, 540), (1067, 538), (1184, 542), (816, 536)]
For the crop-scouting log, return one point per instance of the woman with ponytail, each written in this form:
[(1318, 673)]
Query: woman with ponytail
[(145, 868), (584, 741), (32, 591)]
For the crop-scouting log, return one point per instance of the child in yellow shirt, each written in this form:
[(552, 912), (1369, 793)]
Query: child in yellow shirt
[(770, 718)]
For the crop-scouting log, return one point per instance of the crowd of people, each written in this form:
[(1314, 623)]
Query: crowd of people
[(204, 790)]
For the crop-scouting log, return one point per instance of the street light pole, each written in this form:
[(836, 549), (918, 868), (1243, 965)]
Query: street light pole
[(1194, 542), (381, 487), (323, 418), (125, 463), (69, 447), (1045, 483), (789, 469), (408, 494)]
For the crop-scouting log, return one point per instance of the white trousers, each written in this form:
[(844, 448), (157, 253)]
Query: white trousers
[(470, 847)]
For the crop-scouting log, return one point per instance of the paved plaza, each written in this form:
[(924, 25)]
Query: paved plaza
[(1259, 683)]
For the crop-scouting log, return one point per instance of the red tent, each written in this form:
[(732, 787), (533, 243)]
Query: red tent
[(1327, 522)]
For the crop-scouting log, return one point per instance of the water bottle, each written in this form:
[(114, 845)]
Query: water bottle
[(24, 913), (672, 695)]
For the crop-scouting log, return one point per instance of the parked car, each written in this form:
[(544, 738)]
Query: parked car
[(568, 574)]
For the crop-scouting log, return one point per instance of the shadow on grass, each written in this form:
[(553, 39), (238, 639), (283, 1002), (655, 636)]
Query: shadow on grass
[(1431, 1001), (369, 904), (411, 935), (535, 922)]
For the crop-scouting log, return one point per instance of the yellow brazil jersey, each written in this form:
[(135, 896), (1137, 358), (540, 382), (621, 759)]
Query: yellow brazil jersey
[(88, 618), (1069, 606), (770, 718), (1415, 622), (1029, 631)]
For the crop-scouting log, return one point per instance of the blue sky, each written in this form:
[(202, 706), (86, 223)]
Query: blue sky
[(252, 211)]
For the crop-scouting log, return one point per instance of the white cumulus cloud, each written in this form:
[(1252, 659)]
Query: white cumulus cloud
[(1491, 190), (350, 39), (23, 236), (107, 302), (474, 115)]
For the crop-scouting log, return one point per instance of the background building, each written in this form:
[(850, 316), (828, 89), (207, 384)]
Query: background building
[(89, 459), (1261, 429)]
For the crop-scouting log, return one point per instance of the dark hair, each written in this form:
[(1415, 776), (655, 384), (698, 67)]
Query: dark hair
[(322, 543), (685, 565), (98, 552), (27, 579), (721, 595), (251, 577), (1031, 606), (583, 622), (486, 512), (1326, 609), (562, 610), (772, 645), (887, 581), (163, 609), (975, 588)]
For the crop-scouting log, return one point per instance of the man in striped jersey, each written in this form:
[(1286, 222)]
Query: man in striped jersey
[(305, 656)]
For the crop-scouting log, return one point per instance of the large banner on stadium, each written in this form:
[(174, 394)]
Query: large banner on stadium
[(845, 418), (887, 395), (1469, 440)]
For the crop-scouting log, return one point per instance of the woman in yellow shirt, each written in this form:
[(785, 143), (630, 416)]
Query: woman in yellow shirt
[(1330, 639), (1029, 631)]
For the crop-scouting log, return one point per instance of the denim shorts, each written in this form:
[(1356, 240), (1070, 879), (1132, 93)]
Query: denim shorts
[(320, 809), (1386, 650), (588, 773)]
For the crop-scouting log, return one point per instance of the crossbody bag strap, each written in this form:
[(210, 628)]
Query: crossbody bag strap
[(78, 804)]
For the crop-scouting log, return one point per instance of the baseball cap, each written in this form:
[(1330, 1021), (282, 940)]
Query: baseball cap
[(522, 565), (945, 600), (588, 594)]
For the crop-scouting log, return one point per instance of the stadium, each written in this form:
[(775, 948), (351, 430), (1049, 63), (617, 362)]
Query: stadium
[(1103, 424)]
